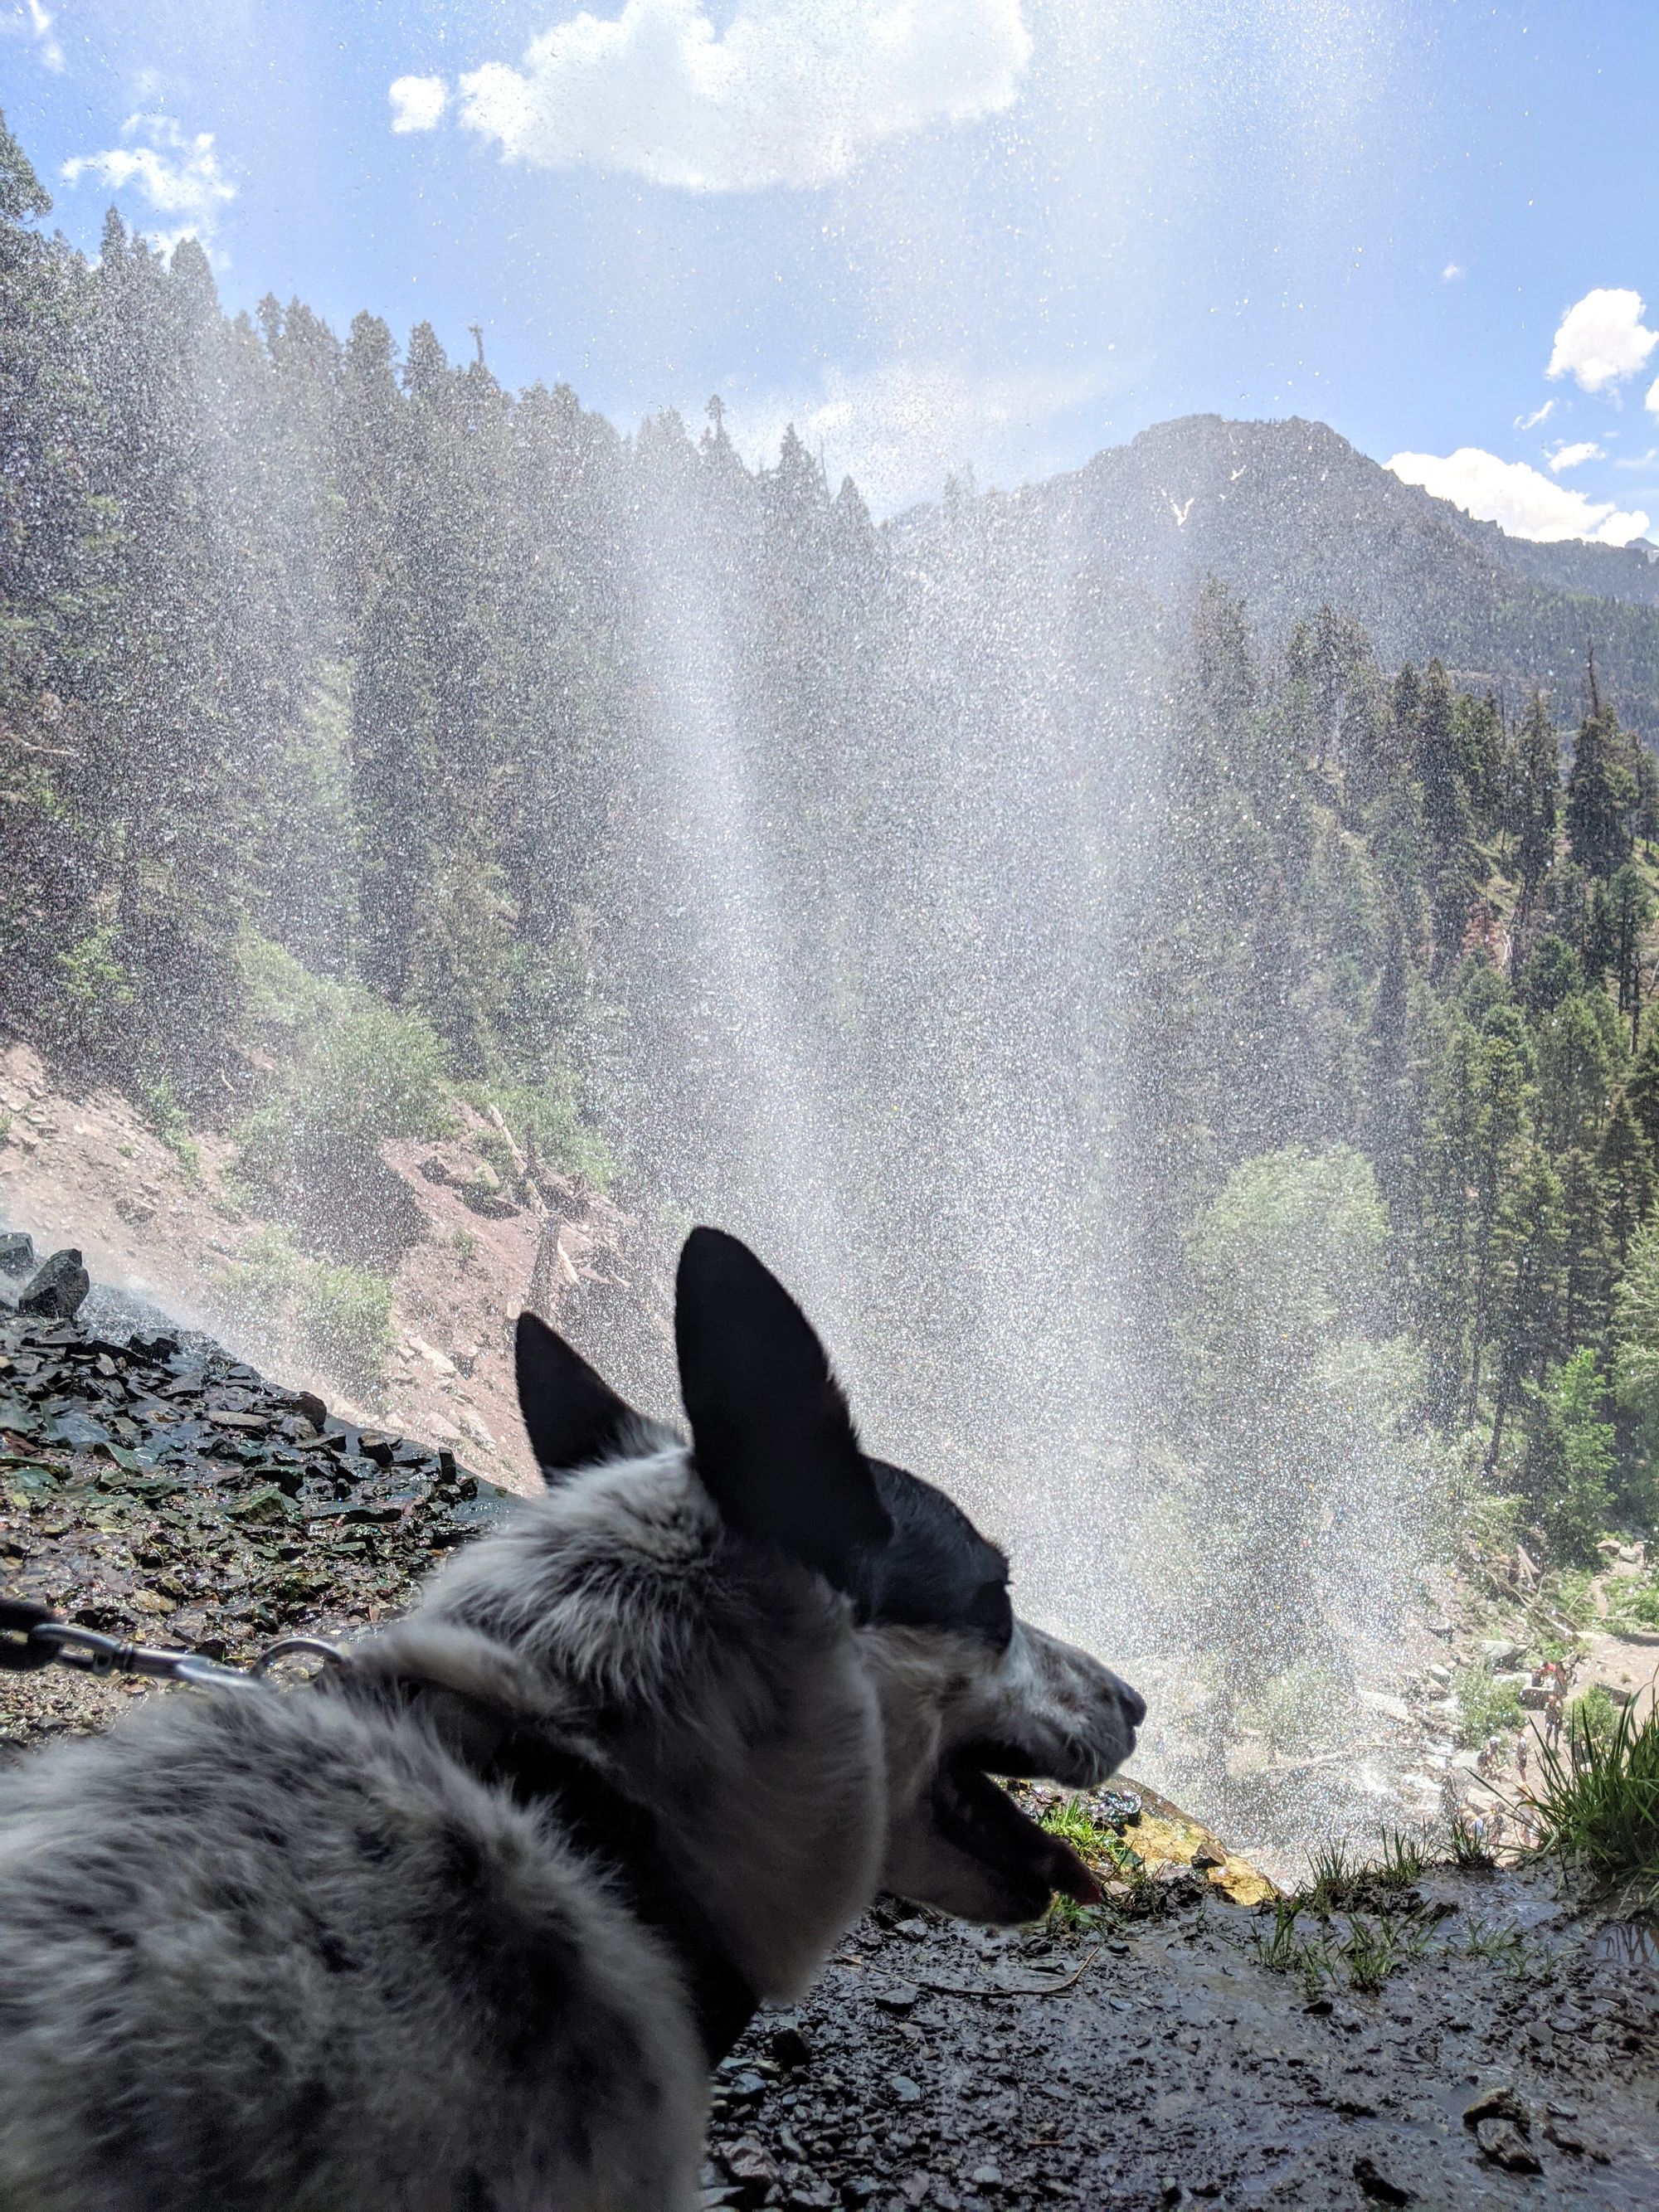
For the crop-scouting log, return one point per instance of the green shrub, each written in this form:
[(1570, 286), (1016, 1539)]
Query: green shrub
[(1303, 1710), (1573, 1597), (1633, 1605), (1486, 1706), (549, 1126), (352, 1072), (166, 1117), (339, 1318), (1594, 1716), (95, 983), (346, 1316), (1493, 1523)]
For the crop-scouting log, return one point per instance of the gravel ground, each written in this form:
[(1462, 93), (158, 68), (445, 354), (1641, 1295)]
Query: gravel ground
[(157, 1489)]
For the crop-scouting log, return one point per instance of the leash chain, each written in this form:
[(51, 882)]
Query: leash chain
[(32, 1636)]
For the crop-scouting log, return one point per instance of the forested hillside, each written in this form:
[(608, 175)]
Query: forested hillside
[(369, 732)]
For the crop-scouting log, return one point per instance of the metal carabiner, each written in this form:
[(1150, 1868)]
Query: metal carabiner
[(92, 1653)]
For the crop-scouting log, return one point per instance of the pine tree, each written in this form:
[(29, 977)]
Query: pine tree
[(1630, 911), (1600, 796), (1628, 1175), (1587, 1257), (1530, 1242), (1537, 800), (1641, 1089)]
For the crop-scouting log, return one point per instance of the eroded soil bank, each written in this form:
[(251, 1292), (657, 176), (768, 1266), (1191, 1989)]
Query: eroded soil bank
[(1150, 2057)]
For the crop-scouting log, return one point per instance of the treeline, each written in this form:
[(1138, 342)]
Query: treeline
[(296, 639)]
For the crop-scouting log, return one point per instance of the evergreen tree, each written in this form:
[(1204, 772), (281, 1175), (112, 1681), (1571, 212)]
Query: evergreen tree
[(1601, 794), (1570, 1459), (1628, 1176), (1536, 800)]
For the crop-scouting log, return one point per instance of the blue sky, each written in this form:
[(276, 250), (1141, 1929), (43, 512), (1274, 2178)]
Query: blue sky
[(1003, 231)]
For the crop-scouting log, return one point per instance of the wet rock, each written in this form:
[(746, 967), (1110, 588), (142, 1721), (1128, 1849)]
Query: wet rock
[(902, 2089), (16, 1253), (313, 1409), (58, 1288), (897, 1996), (1380, 2186), (752, 2168), (1502, 2104), (1565, 2135), (1502, 2142), (789, 2046)]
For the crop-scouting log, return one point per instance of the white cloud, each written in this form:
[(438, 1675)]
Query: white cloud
[(417, 102), (1570, 457), (27, 19), (1538, 414), (1603, 340), (1452, 271), (791, 92), (177, 173), (1522, 500), (1652, 400), (900, 430)]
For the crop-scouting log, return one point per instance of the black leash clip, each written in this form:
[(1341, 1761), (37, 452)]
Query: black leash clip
[(31, 1636)]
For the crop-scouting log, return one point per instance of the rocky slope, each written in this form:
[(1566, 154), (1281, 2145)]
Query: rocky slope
[(162, 1222), (1157, 2059)]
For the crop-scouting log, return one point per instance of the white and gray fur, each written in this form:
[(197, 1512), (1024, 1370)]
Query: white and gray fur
[(292, 1952)]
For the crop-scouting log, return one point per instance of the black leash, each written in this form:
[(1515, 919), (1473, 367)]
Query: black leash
[(32, 1636), (604, 1824)]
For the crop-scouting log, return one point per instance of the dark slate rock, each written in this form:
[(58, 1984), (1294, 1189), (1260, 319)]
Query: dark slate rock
[(16, 1253), (56, 1288)]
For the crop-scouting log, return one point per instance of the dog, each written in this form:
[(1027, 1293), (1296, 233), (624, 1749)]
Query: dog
[(462, 1926)]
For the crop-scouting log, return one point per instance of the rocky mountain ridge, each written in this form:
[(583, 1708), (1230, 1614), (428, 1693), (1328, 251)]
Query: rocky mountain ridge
[(1291, 516)]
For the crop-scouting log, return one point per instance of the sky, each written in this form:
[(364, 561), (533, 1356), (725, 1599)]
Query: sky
[(1004, 232)]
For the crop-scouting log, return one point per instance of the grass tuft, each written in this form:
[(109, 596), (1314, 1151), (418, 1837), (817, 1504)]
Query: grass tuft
[(1597, 1808), (1470, 1847)]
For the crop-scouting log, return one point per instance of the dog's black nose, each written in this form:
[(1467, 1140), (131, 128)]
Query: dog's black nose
[(1134, 1703)]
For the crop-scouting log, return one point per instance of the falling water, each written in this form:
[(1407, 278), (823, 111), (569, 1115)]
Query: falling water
[(882, 880)]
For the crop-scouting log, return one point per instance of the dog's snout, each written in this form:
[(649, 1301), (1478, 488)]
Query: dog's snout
[(1134, 1705)]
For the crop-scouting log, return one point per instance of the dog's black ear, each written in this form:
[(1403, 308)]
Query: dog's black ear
[(573, 1416), (770, 1432)]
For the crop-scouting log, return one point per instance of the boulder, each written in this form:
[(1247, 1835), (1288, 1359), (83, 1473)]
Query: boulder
[(56, 1288)]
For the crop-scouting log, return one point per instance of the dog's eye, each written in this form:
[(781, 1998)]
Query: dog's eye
[(990, 1613)]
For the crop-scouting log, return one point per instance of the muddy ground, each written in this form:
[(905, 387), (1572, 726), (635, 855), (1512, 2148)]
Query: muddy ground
[(1160, 2061), (1165, 2051)]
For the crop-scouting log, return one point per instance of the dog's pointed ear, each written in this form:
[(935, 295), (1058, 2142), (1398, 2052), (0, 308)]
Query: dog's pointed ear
[(573, 1416), (771, 1432)]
